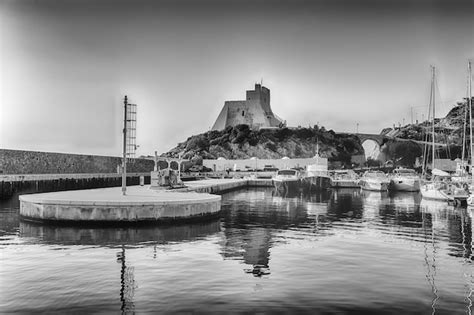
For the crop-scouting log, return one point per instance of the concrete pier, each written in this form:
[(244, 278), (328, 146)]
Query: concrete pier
[(215, 185), (109, 205), (140, 204)]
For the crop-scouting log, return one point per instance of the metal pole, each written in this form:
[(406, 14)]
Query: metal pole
[(124, 161), (433, 126), (469, 102), (179, 168)]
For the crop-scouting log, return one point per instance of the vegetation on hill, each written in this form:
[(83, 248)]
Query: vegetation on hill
[(242, 142), (449, 131)]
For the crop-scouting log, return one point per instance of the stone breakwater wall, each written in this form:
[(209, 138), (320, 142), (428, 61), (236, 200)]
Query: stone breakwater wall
[(35, 162), (27, 184)]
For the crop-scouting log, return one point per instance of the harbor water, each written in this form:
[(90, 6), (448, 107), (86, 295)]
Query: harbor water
[(341, 251)]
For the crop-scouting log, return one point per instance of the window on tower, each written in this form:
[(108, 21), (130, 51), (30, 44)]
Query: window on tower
[(243, 113)]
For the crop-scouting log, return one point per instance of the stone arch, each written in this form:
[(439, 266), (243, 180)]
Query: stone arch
[(379, 140), (366, 146)]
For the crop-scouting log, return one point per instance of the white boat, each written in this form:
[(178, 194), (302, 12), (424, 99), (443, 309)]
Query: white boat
[(344, 179), (404, 179), (375, 181), (470, 199), (287, 180), (444, 191), (441, 187), (316, 176)]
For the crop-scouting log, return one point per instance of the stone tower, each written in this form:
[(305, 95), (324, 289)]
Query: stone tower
[(255, 111)]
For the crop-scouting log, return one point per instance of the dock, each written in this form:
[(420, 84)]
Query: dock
[(140, 204)]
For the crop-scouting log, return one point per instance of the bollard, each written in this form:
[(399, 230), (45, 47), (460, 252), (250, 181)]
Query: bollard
[(142, 180)]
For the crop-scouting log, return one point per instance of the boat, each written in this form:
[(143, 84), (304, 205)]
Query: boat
[(316, 176), (375, 181), (404, 179), (470, 199), (316, 182), (440, 187), (344, 179), (287, 180)]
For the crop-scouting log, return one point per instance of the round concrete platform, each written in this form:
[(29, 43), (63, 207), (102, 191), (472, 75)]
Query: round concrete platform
[(109, 205)]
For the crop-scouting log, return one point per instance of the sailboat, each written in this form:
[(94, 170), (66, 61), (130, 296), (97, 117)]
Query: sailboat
[(440, 188), (470, 199)]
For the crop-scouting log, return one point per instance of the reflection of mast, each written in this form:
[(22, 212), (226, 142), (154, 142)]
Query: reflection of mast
[(127, 281), (431, 265), (466, 262)]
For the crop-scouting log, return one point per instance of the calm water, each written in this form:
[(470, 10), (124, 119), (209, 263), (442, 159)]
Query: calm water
[(339, 252)]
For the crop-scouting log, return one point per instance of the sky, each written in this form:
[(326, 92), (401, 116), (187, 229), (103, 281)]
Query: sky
[(347, 65)]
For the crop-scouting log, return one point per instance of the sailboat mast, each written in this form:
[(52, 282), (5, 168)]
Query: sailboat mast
[(463, 154), (433, 70), (469, 103)]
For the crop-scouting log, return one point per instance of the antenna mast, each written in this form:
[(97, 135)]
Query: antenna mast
[(124, 158), (129, 138), (433, 73), (469, 103)]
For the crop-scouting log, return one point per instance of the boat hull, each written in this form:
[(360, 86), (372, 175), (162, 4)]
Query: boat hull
[(374, 186), (345, 183), (287, 184), (453, 194), (405, 184), (316, 183)]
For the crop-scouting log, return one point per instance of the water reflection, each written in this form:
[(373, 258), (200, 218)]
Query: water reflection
[(66, 235), (407, 254), (452, 224), (128, 238), (127, 283)]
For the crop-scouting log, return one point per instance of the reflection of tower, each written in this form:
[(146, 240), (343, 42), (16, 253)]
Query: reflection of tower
[(127, 281), (257, 247)]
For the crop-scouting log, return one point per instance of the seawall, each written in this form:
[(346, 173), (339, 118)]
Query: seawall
[(35, 162), (29, 183)]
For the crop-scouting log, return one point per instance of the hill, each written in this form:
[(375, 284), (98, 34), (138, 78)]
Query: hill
[(241, 142)]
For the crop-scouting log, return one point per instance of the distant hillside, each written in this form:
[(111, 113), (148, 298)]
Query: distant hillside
[(241, 142), (447, 130)]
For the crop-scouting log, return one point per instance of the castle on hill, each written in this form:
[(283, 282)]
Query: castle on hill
[(255, 111)]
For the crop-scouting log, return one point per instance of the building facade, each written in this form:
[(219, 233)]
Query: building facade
[(254, 111)]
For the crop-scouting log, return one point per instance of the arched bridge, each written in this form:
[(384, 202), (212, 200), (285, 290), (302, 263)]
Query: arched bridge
[(381, 139)]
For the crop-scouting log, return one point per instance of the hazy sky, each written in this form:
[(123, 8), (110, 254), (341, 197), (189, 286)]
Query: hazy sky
[(66, 65)]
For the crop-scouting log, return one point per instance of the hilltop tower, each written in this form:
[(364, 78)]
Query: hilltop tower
[(255, 111)]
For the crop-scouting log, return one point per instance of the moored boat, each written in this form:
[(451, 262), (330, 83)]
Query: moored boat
[(404, 179), (316, 176), (287, 180), (374, 180), (442, 188), (444, 191), (344, 179)]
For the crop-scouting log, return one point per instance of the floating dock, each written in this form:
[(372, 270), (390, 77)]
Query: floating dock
[(140, 204)]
